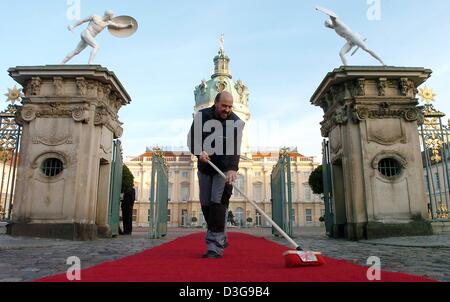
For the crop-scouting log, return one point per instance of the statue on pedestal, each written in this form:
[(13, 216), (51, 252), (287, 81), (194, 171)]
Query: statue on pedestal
[(353, 39), (97, 24)]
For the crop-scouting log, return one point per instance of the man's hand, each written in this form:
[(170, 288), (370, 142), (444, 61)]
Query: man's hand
[(70, 28), (204, 157), (231, 177)]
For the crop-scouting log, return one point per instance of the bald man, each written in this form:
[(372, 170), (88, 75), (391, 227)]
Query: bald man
[(216, 135)]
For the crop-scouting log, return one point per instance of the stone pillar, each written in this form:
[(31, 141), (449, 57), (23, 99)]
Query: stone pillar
[(69, 118), (371, 120)]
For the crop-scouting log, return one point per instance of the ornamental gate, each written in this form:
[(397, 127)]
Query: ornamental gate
[(282, 211), (327, 188), (10, 133), (115, 188), (159, 196), (435, 143)]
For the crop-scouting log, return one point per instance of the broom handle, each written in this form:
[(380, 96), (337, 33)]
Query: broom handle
[(294, 244)]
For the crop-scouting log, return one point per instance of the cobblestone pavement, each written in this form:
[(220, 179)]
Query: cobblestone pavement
[(26, 259), (423, 256)]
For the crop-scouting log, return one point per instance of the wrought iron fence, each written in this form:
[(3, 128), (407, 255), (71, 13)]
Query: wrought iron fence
[(159, 196), (282, 210), (115, 188), (327, 187), (435, 136), (10, 133)]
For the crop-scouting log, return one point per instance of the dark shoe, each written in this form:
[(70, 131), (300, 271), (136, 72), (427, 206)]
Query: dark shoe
[(211, 255)]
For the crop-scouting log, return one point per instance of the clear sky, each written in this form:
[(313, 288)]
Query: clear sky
[(279, 48)]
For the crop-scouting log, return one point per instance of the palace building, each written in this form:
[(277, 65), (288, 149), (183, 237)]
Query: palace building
[(254, 171)]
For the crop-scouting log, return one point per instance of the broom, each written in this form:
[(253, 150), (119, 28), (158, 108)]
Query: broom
[(293, 258)]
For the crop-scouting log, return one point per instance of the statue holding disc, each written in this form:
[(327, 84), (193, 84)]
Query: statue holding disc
[(353, 39), (122, 26)]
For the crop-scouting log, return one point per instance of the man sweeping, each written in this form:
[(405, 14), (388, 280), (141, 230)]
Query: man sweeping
[(216, 136)]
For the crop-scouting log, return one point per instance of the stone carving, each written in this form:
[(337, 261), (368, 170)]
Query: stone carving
[(412, 114), (361, 113), (408, 88), (221, 85), (335, 141), (114, 102), (360, 87), (201, 89), (376, 132), (337, 94), (36, 163), (242, 90), (389, 154), (52, 141), (58, 82), (203, 86), (34, 86), (52, 110), (100, 92), (106, 92), (340, 117), (382, 85), (79, 115), (28, 114), (100, 115), (92, 89), (82, 86), (118, 132)]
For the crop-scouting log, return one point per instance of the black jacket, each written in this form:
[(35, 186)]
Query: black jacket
[(129, 198), (225, 162)]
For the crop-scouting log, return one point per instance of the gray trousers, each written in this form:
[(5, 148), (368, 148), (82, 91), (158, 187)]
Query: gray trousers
[(211, 191)]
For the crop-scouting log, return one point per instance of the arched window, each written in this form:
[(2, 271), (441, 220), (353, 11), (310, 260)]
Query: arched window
[(257, 192), (170, 191), (239, 217), (307, 193), (240, 183), (293, 191), (185, 191)]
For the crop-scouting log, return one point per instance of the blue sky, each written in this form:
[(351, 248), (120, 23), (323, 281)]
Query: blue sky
[(280, 49)]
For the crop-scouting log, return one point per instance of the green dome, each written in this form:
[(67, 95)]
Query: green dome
[(221, 80)]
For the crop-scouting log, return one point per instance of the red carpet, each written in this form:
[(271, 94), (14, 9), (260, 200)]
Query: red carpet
[(248, 259)]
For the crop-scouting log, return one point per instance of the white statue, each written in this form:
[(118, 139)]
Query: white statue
[(353, 39), (96, 25), (222, 43)]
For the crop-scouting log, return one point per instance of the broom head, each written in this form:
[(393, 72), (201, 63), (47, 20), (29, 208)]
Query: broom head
[(303, 258)]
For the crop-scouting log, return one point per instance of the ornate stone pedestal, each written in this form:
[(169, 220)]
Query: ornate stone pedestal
[(69, 119), (371, 120)]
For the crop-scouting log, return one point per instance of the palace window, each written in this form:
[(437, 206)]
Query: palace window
[(185, 192), (308, 213), (307, 193), (135, 212), (390, 167), (52, 167), (240, 183), (258, 219), (170, 191), (257, 192)]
